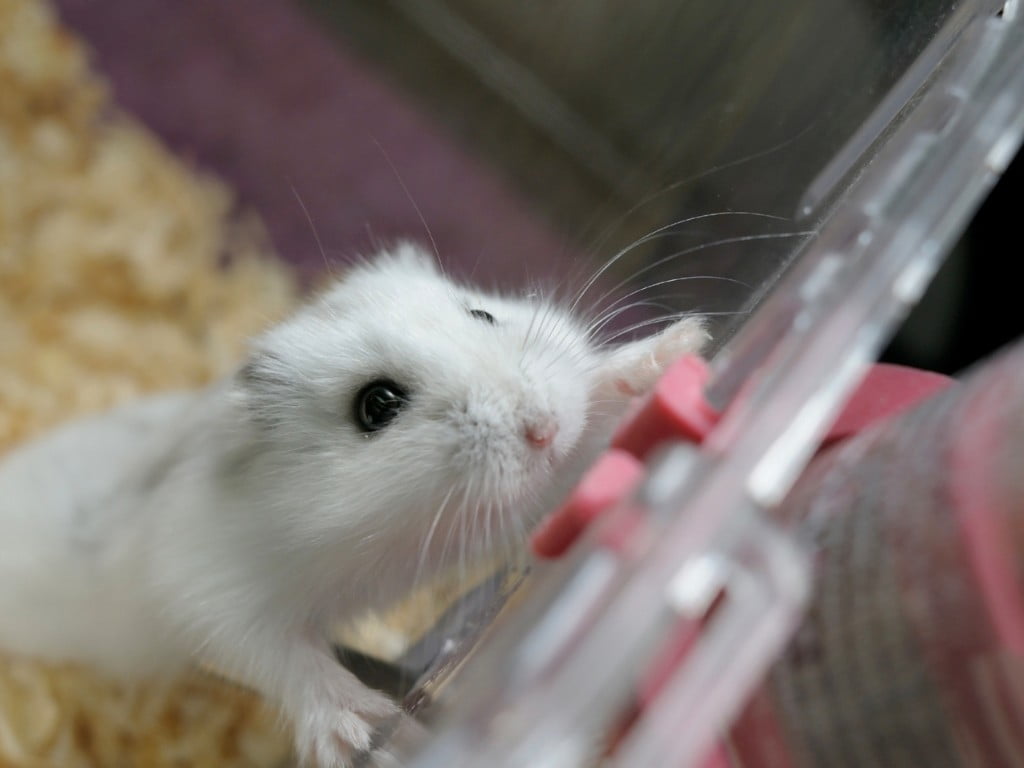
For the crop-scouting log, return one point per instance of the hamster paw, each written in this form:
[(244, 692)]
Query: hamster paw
[(331, 735), (638, 365), (687, 336)]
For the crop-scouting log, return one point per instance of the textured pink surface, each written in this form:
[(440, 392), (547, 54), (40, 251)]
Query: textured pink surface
[(886, 391), (718, 758), (261, 95), (991, 554), (984, 514), (910, 653)]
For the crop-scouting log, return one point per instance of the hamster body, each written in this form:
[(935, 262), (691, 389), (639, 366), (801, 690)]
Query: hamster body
[(72, 539), (399, 424)]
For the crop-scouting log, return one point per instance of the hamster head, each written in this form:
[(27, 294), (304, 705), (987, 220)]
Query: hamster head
[(408, 405)]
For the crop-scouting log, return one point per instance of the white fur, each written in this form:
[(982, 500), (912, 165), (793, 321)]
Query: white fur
[(238, 523)]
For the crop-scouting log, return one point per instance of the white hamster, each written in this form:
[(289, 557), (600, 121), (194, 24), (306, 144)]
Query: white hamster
[(396, 424)]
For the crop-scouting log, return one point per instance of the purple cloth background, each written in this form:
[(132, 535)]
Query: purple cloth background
[(262, 96)]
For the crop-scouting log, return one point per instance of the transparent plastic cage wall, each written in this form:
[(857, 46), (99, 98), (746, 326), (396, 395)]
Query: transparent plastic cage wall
[(728, 119), (807, 159), (553, 671)]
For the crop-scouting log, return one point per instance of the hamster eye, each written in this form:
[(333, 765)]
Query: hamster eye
[(378, 403), (481, 314)]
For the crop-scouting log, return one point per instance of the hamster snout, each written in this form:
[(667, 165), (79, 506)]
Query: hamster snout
[(496, 431), (541, 432)]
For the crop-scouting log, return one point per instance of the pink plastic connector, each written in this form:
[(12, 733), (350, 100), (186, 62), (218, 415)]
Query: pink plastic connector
[(676, 409)]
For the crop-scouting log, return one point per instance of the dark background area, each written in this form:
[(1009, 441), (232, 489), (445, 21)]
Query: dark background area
[(974, 305)]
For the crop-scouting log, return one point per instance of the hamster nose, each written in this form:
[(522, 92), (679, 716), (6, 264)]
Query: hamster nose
[(540, 434)]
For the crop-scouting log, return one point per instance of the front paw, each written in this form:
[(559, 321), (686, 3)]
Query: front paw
[(330, 733), (639, 364), (687, 336)]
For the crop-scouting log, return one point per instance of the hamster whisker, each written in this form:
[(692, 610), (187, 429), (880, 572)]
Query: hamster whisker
[(425, 544), (646, 324), (537, 320), (609, 229), (698, 248), (613, 310), (527, 337), (594, 328), (549, 316), (652, 321), (412, 202), (654, 234), (466, 526), (452, 521), (542, 327), (316, 235), (668, 319), (487, 528)]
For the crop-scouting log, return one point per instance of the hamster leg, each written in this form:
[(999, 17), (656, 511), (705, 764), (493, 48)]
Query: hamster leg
[(632, 369), (333, 714)]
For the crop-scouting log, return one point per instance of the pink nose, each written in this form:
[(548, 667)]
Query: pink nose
[(542, 434)]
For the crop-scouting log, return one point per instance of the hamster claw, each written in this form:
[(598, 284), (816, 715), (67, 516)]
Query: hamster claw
[(329, 736), (684, 337), (636, 366)]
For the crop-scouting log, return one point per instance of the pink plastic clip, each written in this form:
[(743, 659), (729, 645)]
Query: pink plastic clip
[(676, 409)]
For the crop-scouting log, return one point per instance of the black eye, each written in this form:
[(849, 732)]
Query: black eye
[(378, 403), (481, 314)]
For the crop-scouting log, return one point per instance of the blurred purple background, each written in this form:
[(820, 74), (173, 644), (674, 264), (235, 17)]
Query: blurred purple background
[(259, 94)]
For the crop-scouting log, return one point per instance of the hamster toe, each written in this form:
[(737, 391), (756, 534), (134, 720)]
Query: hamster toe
[(633, 368), (332, 740), (684, 337), (331, 737)]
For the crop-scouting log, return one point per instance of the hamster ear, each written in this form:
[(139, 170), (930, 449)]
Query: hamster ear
[(260, 382), (412, 255), (260, 372)]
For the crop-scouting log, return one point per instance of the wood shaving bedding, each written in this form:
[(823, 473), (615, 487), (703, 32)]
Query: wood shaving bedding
[(122, 272)]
